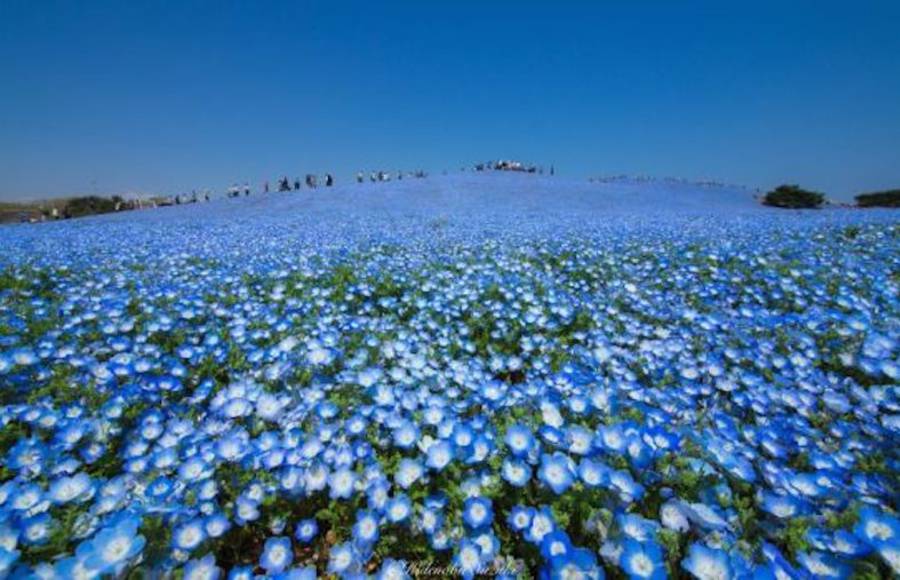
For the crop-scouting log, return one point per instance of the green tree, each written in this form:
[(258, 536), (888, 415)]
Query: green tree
[(793, 197), (890, 198)]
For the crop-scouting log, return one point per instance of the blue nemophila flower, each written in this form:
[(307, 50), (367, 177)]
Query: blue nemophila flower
[(556, 546), (628, 489), (579, 563), (306, 530), (468, 558), (112, 548), (516, 472), (822, 565), (78, 487), (398, 509), (189, 535), (707, 563), (216, 525), (366, 529), (202, 569), (36, 529), (520, 440), (342, 559), (277, 555), (705, 516), (673, 515), (519, 518), (593, 473), (541, 524), (877, 528), (636, 527), (557, 471), (392, 569), (478, 512), (341, 483), (241, 573), (246, 510), (642, 560), (781, 506), (408, 472), (406, 435), (440, 454)]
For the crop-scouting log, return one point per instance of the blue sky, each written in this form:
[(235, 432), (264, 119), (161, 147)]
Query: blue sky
[(162, 97)]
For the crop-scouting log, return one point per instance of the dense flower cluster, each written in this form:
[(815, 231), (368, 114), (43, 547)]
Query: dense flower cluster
[(547, 395)]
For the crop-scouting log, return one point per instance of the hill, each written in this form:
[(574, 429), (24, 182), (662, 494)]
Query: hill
[(467, 193)]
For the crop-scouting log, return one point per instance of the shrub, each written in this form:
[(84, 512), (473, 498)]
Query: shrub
[(82, 206), (890, 198), (793, 197)]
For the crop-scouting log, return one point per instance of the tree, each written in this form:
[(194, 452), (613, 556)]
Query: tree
[(890, 198), (793, 197)]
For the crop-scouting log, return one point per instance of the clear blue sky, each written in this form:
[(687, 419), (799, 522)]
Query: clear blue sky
[(161, 97)]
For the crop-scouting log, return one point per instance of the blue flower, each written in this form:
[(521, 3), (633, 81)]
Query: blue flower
[(593, 473), (636, 527), (216, 525), (557, 471), (579, 563), (189, 535), (477, 512), (406, 435), (707, 563), (468, 558), (277, 555), (365, 530), (341, 483), (398, 509), (520, 440), (440, 454), (113, 547), (516, 472), (642, 560), (877, 528), (36, 530), (822, 565), (542, 523), (408, 472), (556, 545), (306, 530), (519, 517), (392, 570), (342, 558), (241, 573), (202, 569)]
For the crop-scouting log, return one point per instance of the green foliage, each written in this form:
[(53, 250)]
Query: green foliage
[(90, 205), (843, 520), (793, 197), (889, 198), (793, 536)]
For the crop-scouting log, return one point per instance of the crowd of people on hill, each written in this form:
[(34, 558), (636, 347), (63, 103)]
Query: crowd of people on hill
[(508, 165), (376, 176), (651, 179), (283, 184)]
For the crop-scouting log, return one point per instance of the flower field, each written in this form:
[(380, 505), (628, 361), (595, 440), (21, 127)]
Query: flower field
[(236, 392)]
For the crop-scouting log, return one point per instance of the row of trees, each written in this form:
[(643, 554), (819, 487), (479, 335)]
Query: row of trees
[(795, 197)]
